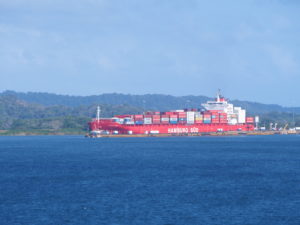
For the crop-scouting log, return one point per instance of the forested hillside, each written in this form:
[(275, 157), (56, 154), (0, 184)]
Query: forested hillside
[(17, 114), (147, 102)]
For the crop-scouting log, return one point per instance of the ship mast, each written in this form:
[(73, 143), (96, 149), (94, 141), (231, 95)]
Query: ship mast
[(98, 113), (218, 95)]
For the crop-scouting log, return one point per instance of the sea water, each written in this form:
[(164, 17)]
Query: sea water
[(176, 180)]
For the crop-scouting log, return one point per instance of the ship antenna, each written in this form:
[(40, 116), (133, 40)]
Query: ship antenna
[(218, 95), (98, 113)]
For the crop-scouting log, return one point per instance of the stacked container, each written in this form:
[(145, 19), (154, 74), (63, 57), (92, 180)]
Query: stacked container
[(165, 119), (156, 119), (215, 118), (223, 118), (249, 120), (182, 117), (169, 113), (147, 119), (206, 117), (173, 119), (128, 121), (190, 117), (139, 119), (198, 117)]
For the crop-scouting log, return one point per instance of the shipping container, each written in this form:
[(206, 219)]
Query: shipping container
[(156, 122), (148, 120), (156, 117), (249, 120), (138, 116), (169, 113), (129, 122)]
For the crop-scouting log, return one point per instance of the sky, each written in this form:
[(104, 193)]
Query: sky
[(249, 49)]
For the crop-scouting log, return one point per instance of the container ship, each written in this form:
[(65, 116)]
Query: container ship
[(215, 116)]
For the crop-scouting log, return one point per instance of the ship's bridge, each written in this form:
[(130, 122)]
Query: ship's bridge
[(219, 104)]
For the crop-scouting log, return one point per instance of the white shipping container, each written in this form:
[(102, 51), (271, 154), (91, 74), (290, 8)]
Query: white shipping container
[(190, 118), (190, 114), (147, 120), (242, 116)]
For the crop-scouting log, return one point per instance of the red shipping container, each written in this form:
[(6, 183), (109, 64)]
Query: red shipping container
[(249, 120), (169, 113)]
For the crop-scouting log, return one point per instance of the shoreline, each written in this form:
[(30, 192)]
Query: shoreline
[(205, 134), (85, 134), (40, 133)]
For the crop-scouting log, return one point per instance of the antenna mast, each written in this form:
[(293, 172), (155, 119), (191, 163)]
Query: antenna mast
[(218, 95), (98, 113)]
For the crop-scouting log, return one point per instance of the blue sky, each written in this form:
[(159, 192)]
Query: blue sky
[(250, 49)]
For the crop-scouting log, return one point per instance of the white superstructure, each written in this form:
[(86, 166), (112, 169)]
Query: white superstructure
[(235, 115)]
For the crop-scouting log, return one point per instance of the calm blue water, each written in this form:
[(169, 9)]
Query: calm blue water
[(188, 180)]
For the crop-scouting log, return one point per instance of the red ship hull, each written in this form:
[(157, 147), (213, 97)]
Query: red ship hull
[(167, 128)]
